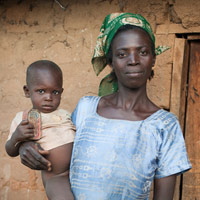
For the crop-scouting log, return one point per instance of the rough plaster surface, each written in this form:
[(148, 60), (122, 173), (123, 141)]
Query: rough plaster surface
[(33, 30)]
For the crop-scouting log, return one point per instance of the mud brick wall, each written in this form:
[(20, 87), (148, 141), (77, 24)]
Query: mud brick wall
[(66, 33)]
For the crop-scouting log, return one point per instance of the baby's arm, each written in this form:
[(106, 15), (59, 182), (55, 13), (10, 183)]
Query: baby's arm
[(23, 132), (56, 181)]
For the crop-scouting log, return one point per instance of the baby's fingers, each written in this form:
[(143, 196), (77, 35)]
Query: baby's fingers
[(24, 122), (28, 135)]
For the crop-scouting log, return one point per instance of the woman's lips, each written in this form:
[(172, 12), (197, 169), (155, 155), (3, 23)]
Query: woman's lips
[(134, 74)]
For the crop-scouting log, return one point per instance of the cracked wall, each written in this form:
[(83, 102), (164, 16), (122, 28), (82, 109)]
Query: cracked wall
[(33, 30)]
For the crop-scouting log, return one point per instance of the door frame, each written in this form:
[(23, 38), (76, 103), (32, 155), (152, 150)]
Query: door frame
[(179, 87)]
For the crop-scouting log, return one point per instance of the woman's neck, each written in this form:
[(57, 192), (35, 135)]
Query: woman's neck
[(132, 99), (127, 104)]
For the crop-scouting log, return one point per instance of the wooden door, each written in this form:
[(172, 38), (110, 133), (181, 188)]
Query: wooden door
[(191, 179)]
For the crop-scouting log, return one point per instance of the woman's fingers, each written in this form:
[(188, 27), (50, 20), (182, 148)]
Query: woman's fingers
[(44, 153), (31, 157), (31, 160), (27, 163), (39, 156)]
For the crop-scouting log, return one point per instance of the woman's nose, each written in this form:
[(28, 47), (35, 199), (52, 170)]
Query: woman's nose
[(133, 59)]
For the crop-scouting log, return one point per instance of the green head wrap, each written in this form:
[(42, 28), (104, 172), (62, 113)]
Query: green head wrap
[(108, 29)]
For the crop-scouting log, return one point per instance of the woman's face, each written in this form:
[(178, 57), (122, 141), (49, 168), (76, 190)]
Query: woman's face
[(132, 58)]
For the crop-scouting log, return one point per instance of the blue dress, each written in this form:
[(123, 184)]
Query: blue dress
[(116, 159)]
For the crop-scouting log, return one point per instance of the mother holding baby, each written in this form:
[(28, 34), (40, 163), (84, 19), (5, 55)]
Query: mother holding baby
[(123, 142)]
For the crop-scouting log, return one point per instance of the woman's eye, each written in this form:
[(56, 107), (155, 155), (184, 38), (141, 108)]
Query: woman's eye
[(143, 52), (41, 91), (56, 92), (121, 55)]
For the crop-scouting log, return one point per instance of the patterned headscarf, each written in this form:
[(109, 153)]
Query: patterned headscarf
[(108, 29)]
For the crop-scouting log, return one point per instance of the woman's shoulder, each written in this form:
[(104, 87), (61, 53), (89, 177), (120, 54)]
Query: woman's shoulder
[(162, 114), (89, 98), (164, 125), (87, 104), (88, 101), (164, 118)]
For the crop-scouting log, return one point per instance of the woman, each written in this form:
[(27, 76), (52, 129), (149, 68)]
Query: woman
[(123, 140)]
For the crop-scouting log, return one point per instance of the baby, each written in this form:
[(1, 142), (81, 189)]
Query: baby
[(44, 83)]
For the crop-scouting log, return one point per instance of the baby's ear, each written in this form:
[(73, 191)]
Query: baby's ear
[(26, 91)]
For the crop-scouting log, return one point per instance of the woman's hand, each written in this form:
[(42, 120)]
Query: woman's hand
[(33, 156)]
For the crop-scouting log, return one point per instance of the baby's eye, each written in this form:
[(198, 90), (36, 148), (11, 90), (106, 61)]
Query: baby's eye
[(40, 91), (56, 92)]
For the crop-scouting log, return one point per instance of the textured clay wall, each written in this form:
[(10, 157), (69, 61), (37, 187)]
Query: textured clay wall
[(33, 30)]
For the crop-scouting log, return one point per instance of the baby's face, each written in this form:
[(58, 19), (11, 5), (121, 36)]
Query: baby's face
[(45, 90)]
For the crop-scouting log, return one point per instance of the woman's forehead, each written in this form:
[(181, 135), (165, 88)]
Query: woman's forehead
[(131, 37)]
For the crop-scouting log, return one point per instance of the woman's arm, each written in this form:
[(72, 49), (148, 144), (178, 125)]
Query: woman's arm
[(164, 188), (56, 181), (55, 164), (58, 188)]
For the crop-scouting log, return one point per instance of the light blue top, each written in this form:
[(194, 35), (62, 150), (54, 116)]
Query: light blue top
[(117, 159)]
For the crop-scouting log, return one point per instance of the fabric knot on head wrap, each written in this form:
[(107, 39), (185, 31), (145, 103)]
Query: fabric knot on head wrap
[(110, 25)]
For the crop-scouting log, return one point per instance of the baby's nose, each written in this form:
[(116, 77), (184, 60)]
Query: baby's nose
[(48, 96)]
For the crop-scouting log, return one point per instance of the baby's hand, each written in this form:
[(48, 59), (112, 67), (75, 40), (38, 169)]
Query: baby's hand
[(24, 131)]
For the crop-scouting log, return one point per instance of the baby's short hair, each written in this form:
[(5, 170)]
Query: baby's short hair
[(42, 64)]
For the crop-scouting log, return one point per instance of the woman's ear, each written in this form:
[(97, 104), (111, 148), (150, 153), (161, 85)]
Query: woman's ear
[(62, 90), (26, 91), (111, 66), (154, 61)]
